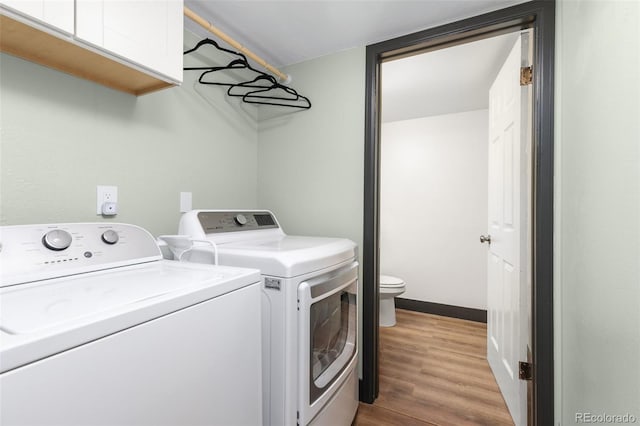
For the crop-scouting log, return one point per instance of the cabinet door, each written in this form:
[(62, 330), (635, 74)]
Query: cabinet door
[(55, 13), (146, 32)]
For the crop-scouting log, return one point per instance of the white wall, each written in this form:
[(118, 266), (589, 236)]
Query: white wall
[(433, 207), (597, 247), (61, 136)]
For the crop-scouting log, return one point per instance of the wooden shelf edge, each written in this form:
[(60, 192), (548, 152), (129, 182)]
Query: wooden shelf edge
[(29, 43)]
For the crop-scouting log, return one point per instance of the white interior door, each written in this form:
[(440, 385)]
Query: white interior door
[(508, 328)]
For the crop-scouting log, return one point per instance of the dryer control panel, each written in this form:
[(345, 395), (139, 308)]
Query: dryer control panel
[(231, 221), (37, 252)]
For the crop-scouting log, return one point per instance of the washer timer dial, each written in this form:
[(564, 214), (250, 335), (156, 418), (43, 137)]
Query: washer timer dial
[(240, 219), (57, 240), (110, 236)]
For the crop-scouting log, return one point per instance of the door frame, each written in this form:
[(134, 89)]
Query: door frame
[(539, 15)]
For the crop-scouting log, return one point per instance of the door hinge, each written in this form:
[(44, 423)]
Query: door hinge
[(526, 76), (525, 371)]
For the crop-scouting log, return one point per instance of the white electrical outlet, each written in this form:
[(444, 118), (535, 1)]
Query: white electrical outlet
[(185, 202), (106, 194)]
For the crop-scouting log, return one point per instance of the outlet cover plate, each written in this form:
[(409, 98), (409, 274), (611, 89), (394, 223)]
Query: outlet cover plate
[(105, 193)]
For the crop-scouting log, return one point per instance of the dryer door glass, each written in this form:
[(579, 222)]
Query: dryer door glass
[(332, 338), (329, 329)]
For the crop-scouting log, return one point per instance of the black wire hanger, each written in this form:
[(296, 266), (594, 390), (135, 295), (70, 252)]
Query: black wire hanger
[(208, 41), (267, 94), (291, 98), (269, 91), (240, 63), (237, 64), (263, 81)]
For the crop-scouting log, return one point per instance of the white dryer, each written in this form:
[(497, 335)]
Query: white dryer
[(309, 311), (97, 329)]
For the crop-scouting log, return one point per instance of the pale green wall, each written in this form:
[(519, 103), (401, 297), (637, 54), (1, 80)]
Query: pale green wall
[(61, 136), (598, 208), (310, 162)]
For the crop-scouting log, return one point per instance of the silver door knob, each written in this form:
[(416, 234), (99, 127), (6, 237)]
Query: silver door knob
[(485, 239)]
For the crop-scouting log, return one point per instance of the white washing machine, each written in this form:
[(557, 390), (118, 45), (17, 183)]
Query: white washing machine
[(97, 329), (309, 311)]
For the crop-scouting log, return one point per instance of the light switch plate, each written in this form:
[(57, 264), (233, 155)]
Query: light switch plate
[(185, 201)]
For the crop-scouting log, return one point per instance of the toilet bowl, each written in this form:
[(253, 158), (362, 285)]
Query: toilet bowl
[(390, 287)]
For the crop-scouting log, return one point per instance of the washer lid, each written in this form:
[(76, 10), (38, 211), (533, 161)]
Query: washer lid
[(389, 281), (287, 256), (48, 304), (46, 317)]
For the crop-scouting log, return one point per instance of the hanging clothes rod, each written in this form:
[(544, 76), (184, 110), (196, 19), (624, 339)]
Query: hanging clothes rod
[(209, 27)]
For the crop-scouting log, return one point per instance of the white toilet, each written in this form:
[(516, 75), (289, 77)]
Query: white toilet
[(390, 287)]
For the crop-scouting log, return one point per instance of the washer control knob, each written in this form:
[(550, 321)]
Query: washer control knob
[(110, 236), (240, 219), (57, 240)]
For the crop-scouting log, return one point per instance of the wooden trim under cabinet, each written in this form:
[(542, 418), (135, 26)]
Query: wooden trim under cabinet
[(24, 41)]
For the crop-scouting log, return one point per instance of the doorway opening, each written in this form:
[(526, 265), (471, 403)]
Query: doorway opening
[(455, 192), (538, 16)]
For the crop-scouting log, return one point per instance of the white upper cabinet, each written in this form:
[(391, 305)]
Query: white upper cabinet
[(55, 13), (147, 32), (129, 45)]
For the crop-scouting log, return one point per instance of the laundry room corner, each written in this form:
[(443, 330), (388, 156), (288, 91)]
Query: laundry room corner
[(310, 164)]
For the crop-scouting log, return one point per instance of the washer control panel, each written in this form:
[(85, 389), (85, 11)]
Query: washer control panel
[(36, 252), (229, 221)]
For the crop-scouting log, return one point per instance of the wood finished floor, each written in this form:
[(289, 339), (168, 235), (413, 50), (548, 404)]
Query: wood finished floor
[(433, 371)]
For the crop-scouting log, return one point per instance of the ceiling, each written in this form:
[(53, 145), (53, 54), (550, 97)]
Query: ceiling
[(444, 81), (292, 31)]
